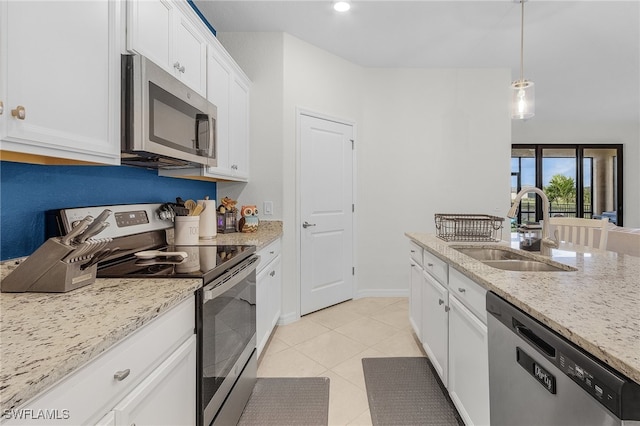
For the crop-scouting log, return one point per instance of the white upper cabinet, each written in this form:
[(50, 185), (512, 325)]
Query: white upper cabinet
[(228, 89), (164, 33), (60, 80)]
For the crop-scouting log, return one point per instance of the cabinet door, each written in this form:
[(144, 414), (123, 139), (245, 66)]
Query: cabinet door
[(190, 55), (262, 311), (219, 76), (239, 128), (62, 79), (415, 297), (435, 336), (468, 364), (108, 420), (167, 396), (274, 292), (150, 30)]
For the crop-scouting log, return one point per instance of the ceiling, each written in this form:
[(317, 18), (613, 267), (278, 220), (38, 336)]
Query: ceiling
[(584, 56)]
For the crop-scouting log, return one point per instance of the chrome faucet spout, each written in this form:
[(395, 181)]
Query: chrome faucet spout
[(547, 241)]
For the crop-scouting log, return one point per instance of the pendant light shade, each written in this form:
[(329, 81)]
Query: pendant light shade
[(523, 100), (523, 103)]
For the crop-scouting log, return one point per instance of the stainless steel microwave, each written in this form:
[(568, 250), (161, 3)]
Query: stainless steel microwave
[(165, 124)]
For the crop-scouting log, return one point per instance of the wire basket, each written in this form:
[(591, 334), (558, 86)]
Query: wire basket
[(468, 227)]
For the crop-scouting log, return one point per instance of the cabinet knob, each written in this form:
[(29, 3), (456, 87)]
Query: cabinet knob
[(1, 107), (446, 309), (20, 113), (413, 251), (234, 167), (440, 302), (430, 265), (272, 273), (272, 252), (121, 375), (179, 67), (462, 290)]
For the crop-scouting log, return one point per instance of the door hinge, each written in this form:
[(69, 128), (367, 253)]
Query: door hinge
[(353, 144), (353, 270), (353, 208)]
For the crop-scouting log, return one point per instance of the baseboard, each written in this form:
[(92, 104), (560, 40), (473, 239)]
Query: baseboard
[(382, 293), (288, 318)]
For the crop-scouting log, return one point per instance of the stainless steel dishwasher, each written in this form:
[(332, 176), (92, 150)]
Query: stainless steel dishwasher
[(536, 377)]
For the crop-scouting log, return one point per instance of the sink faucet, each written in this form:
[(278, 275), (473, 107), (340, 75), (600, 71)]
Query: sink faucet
[(547, 242)]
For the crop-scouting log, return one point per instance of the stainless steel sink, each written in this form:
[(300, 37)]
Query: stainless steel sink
[(508, 260), (525, 266), (482, 253)]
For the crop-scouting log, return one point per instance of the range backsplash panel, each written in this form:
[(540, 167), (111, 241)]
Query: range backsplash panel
[(27, 191)]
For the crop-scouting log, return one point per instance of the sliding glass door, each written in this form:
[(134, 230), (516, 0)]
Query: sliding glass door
[(579, 180)]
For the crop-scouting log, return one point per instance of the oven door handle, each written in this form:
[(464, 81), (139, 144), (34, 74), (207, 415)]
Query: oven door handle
[(230, 278)]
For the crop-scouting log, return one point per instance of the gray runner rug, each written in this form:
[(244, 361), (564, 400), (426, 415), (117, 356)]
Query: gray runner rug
[(406, 391), (288, 401)]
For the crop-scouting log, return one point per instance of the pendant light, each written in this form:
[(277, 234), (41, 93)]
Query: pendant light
[(523, 105)]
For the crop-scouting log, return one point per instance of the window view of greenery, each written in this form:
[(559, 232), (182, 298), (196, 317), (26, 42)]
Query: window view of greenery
[(580, 181)]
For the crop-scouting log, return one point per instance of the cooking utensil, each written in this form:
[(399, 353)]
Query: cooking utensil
[(77, 230), (150, 254), (96, 227), (197, 210), (190, 204)]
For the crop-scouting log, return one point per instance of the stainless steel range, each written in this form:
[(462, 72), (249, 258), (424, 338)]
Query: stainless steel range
[(226, 308)]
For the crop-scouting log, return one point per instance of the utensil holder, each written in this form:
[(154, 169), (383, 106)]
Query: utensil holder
[(227, 223), (45, 271)]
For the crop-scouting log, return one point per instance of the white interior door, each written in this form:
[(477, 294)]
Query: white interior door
[(326, 213)]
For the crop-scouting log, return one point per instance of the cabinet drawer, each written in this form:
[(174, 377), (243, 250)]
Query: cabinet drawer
[(469, 293), (268, 253), (436, 267), (415, 252), (91, 391)]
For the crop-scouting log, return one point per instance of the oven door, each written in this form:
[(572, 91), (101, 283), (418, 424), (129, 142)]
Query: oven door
[(227, 335)]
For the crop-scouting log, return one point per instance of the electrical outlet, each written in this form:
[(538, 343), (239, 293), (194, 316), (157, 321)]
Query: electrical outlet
[(268, 208)]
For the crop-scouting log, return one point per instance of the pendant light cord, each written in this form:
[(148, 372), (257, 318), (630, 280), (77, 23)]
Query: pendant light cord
[(522, 43)]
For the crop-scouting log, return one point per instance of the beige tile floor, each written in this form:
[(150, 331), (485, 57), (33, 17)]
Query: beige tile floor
[(332, 342)]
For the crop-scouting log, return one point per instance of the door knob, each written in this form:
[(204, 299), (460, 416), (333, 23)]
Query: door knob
[(307, 224), (19, 113)]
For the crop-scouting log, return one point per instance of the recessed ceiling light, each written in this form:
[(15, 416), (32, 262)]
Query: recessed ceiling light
[(341, 6)]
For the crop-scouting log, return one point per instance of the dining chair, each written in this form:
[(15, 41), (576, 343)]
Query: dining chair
[(580, 233)]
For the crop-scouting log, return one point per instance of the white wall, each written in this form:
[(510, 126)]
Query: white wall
[(626, 133), (427, 141), (432, 141)]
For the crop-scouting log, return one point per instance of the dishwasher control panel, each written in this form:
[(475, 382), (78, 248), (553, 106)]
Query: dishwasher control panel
[(590, 383)]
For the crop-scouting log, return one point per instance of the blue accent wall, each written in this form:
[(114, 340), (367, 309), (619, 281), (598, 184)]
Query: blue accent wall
[(27, 191)]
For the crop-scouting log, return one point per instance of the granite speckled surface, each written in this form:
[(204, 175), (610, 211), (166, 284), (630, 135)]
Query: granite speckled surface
[(45, 336), (596, 307), (268, 231)]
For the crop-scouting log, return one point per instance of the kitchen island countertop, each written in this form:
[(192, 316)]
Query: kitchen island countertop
[(596, 307), (46, 336)]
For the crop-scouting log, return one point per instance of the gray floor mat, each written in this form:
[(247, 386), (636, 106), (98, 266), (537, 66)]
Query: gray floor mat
[(406, 391), (293, 401)]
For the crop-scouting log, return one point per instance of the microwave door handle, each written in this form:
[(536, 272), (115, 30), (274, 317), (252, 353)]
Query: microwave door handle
[(202, 129)]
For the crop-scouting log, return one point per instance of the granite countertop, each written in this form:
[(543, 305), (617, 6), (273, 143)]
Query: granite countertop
[(596, 307), (46, 336), (268, 231)]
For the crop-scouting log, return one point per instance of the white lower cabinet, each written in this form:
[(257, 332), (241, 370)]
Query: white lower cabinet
[(415, 297), (167, 396), (148, 378), (435, 329), (453, 332), (268, 293), (468, 364)]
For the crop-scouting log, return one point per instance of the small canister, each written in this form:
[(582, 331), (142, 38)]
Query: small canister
[(187, 230), (530, 236), (208, 226)]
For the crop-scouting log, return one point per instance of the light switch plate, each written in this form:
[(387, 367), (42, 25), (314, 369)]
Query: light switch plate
[(268, 208)]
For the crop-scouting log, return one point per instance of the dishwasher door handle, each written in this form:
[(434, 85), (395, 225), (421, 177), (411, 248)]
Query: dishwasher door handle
[(531, 337)]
